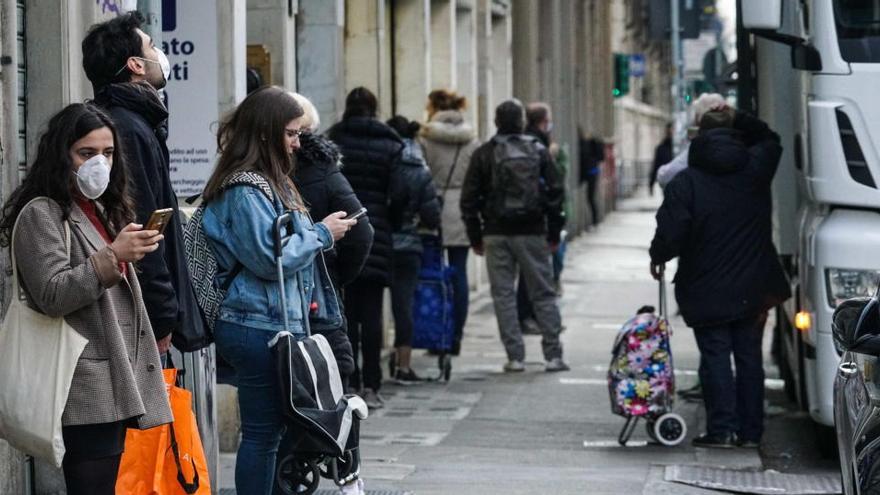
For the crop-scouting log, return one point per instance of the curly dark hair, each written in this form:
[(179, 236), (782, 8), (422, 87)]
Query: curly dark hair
[(52, 172), (108, 46)]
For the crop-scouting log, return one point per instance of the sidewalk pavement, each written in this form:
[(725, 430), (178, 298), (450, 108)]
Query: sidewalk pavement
[(486, 432)]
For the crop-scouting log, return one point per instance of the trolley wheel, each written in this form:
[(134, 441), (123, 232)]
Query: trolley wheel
[(297, 476), (649, 429), (446, 366), (670, 429), (344, 466)]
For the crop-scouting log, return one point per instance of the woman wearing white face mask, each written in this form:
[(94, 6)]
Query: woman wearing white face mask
[(69, 228)]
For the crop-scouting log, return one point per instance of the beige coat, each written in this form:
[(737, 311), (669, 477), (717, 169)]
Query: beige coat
[(445, 133), (119, 375)]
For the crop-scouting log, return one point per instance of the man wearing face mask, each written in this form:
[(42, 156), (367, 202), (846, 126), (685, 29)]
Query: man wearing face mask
[(127, 70)]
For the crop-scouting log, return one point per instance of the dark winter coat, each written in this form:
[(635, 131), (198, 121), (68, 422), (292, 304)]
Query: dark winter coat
[(417, 205), (141, 121), (715, 218), (478, 217), (369, 149), (325, 190)]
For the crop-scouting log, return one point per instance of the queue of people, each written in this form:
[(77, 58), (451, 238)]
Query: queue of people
[(78, 226)]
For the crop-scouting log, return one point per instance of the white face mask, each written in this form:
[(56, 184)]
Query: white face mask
[(161, 59), (93, 176), (164, 64)]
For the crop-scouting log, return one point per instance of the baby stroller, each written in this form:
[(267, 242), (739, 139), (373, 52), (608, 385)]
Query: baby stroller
[(433, 321), (326, 421), (641, 377)]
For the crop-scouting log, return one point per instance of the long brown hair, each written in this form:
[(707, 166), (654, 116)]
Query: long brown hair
[(251, 138), (52, 172)]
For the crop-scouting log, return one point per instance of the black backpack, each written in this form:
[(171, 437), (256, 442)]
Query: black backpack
[(517, 187)]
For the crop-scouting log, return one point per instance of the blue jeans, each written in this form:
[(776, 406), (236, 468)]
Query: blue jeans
[(733, 404), (458, 256), (247, 350)]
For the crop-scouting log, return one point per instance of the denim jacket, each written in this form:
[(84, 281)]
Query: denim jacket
[(239, 225)]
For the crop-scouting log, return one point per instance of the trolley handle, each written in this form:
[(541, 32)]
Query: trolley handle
[(664, 308), (281, 240)]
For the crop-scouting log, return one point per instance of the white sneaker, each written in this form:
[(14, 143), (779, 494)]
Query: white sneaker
[(514, 366), (556, 364)]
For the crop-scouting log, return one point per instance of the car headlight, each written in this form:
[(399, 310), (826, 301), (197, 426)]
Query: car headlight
[(843, 284)]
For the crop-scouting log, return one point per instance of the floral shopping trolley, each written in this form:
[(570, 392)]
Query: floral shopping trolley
[(641, 378)]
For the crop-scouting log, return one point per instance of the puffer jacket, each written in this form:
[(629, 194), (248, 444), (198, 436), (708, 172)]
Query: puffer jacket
[(716, 218), (369, 149), (416, 203), (444, 135), (325, 190)]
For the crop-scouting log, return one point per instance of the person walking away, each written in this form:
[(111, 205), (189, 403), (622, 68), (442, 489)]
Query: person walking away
[(126, 70), (591, 155), (448, 142), (662, 156), (369, 149), (74, 248), (249, 189), (511, 203), (414, 206), (716, 218)]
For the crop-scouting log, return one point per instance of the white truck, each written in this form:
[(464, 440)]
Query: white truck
[(817, 67)]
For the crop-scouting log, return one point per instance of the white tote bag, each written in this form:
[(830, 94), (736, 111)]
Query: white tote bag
[(38, 355)]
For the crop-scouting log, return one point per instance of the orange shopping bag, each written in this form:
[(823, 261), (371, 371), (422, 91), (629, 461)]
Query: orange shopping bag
[(168, 459)]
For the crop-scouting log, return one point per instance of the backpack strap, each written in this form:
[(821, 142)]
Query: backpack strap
[(451, 171), (250, 178)]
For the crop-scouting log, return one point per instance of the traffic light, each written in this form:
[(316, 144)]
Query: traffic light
[(621, 74)]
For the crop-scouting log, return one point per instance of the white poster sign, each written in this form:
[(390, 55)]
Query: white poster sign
[(189, 39)]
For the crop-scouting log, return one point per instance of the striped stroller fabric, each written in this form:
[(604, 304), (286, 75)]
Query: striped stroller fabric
[(313, 397)]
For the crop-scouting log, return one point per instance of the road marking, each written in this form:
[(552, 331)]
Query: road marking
[(604, 444), (607, 326), (583, 381)]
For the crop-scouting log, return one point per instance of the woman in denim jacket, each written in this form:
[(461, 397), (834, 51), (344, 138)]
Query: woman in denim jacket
[(247, 191)]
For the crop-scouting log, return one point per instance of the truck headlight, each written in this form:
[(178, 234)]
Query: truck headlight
[(843, 284)]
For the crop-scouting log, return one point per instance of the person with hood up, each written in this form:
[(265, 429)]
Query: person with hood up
[(716, 218), (417, 207), (449, 141)]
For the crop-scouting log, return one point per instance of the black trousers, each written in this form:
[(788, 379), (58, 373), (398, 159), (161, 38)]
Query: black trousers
[(404, 277), (592, 184), (734, 404), (91, 462), (363, 310)]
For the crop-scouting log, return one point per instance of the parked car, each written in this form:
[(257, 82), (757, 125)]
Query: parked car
[(856, 332)]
